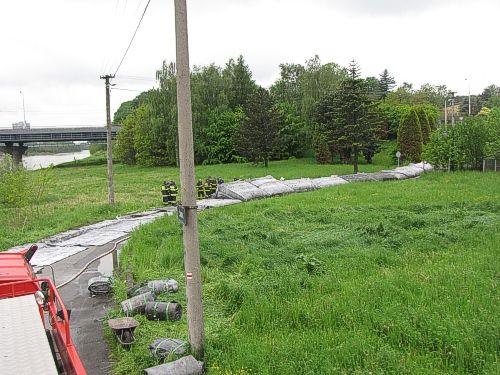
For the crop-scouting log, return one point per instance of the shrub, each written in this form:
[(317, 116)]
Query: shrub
[(466, 145)]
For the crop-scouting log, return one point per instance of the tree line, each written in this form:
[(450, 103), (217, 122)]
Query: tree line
[(321, 110)]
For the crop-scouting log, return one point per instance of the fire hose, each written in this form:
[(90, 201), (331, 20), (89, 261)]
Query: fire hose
[(123, 239)]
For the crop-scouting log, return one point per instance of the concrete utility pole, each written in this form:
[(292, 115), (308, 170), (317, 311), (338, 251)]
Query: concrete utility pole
[(192, 265), (111, 192)]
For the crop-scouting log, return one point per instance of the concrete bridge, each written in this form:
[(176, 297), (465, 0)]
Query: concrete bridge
[(15, 140)]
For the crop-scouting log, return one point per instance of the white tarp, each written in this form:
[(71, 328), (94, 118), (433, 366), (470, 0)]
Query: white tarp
[(241, 190), (210, 203), (74, 241), (328, 181), (271, 185), (358, 177), (300, 184)]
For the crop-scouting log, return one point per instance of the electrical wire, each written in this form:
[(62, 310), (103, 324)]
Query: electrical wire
[(119, 88), (133, 36)]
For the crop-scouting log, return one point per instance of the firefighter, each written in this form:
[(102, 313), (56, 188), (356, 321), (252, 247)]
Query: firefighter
[(200, 188), (173, 193), (212, 185), (165, 192)]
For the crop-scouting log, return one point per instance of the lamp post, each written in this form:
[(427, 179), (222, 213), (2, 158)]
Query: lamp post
[(24, 110), (468, 81)]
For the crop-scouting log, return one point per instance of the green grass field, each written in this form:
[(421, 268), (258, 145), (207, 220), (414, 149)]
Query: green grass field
[(77, 194), (397, 277)]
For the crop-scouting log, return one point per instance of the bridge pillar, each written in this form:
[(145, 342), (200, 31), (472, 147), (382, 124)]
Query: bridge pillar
[(16, 151)]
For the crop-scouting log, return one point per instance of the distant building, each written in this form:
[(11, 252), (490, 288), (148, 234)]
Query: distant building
[(21, 125)]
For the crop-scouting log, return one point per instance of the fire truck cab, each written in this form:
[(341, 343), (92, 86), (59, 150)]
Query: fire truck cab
[(34, 324)]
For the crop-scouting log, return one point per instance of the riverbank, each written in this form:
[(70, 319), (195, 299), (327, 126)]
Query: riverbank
[(77, 193)]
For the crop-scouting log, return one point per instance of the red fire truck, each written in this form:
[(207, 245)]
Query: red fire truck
[(34, 324)]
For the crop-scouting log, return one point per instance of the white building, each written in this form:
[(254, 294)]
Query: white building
[(21, 125)]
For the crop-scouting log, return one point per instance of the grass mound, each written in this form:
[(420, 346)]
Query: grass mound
[(398, 277)]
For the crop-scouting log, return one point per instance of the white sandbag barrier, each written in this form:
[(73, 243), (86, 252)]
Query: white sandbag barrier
[(268, 186), (300, 185), (241, 190), (322, 182)]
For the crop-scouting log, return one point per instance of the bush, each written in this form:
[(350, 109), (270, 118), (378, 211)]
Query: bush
[(96, 147), (21, 190), (466, 145)]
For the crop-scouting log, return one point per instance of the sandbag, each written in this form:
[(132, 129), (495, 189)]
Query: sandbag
[(163, 310), (137, 304), (155, 286), (183, 366), (160, 286), (162, 348), (99, 285)]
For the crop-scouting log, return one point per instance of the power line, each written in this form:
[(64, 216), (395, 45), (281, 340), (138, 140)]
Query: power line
[(133, 36), (124, 77), (119, 88)]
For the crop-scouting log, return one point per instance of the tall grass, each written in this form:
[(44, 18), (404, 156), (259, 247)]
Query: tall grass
[(383, 278), (78, 191)]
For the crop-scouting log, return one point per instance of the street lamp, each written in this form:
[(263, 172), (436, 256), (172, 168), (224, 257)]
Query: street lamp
[(24, 110), (468, 81)]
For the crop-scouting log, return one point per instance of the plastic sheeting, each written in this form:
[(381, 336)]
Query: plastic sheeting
[(63, 245), (271, 186), (241, 190), (300, 184), (183, 366), (322, 182)]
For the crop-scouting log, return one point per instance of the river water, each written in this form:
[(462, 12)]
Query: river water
[(43, 161)]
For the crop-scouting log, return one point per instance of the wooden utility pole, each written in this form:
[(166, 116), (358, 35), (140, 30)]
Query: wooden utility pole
[(188, 207), (111, 192)]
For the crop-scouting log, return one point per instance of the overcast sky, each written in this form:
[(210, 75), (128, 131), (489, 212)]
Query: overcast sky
[(55, 50)]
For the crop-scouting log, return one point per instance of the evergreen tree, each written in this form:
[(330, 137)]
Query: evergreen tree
[(386, 84), (349, 118), (240, 85), (424, 121), (258, 137), (410, 137)]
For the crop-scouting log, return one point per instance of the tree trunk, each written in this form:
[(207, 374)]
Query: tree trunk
[(355, 159), (266, 161)]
